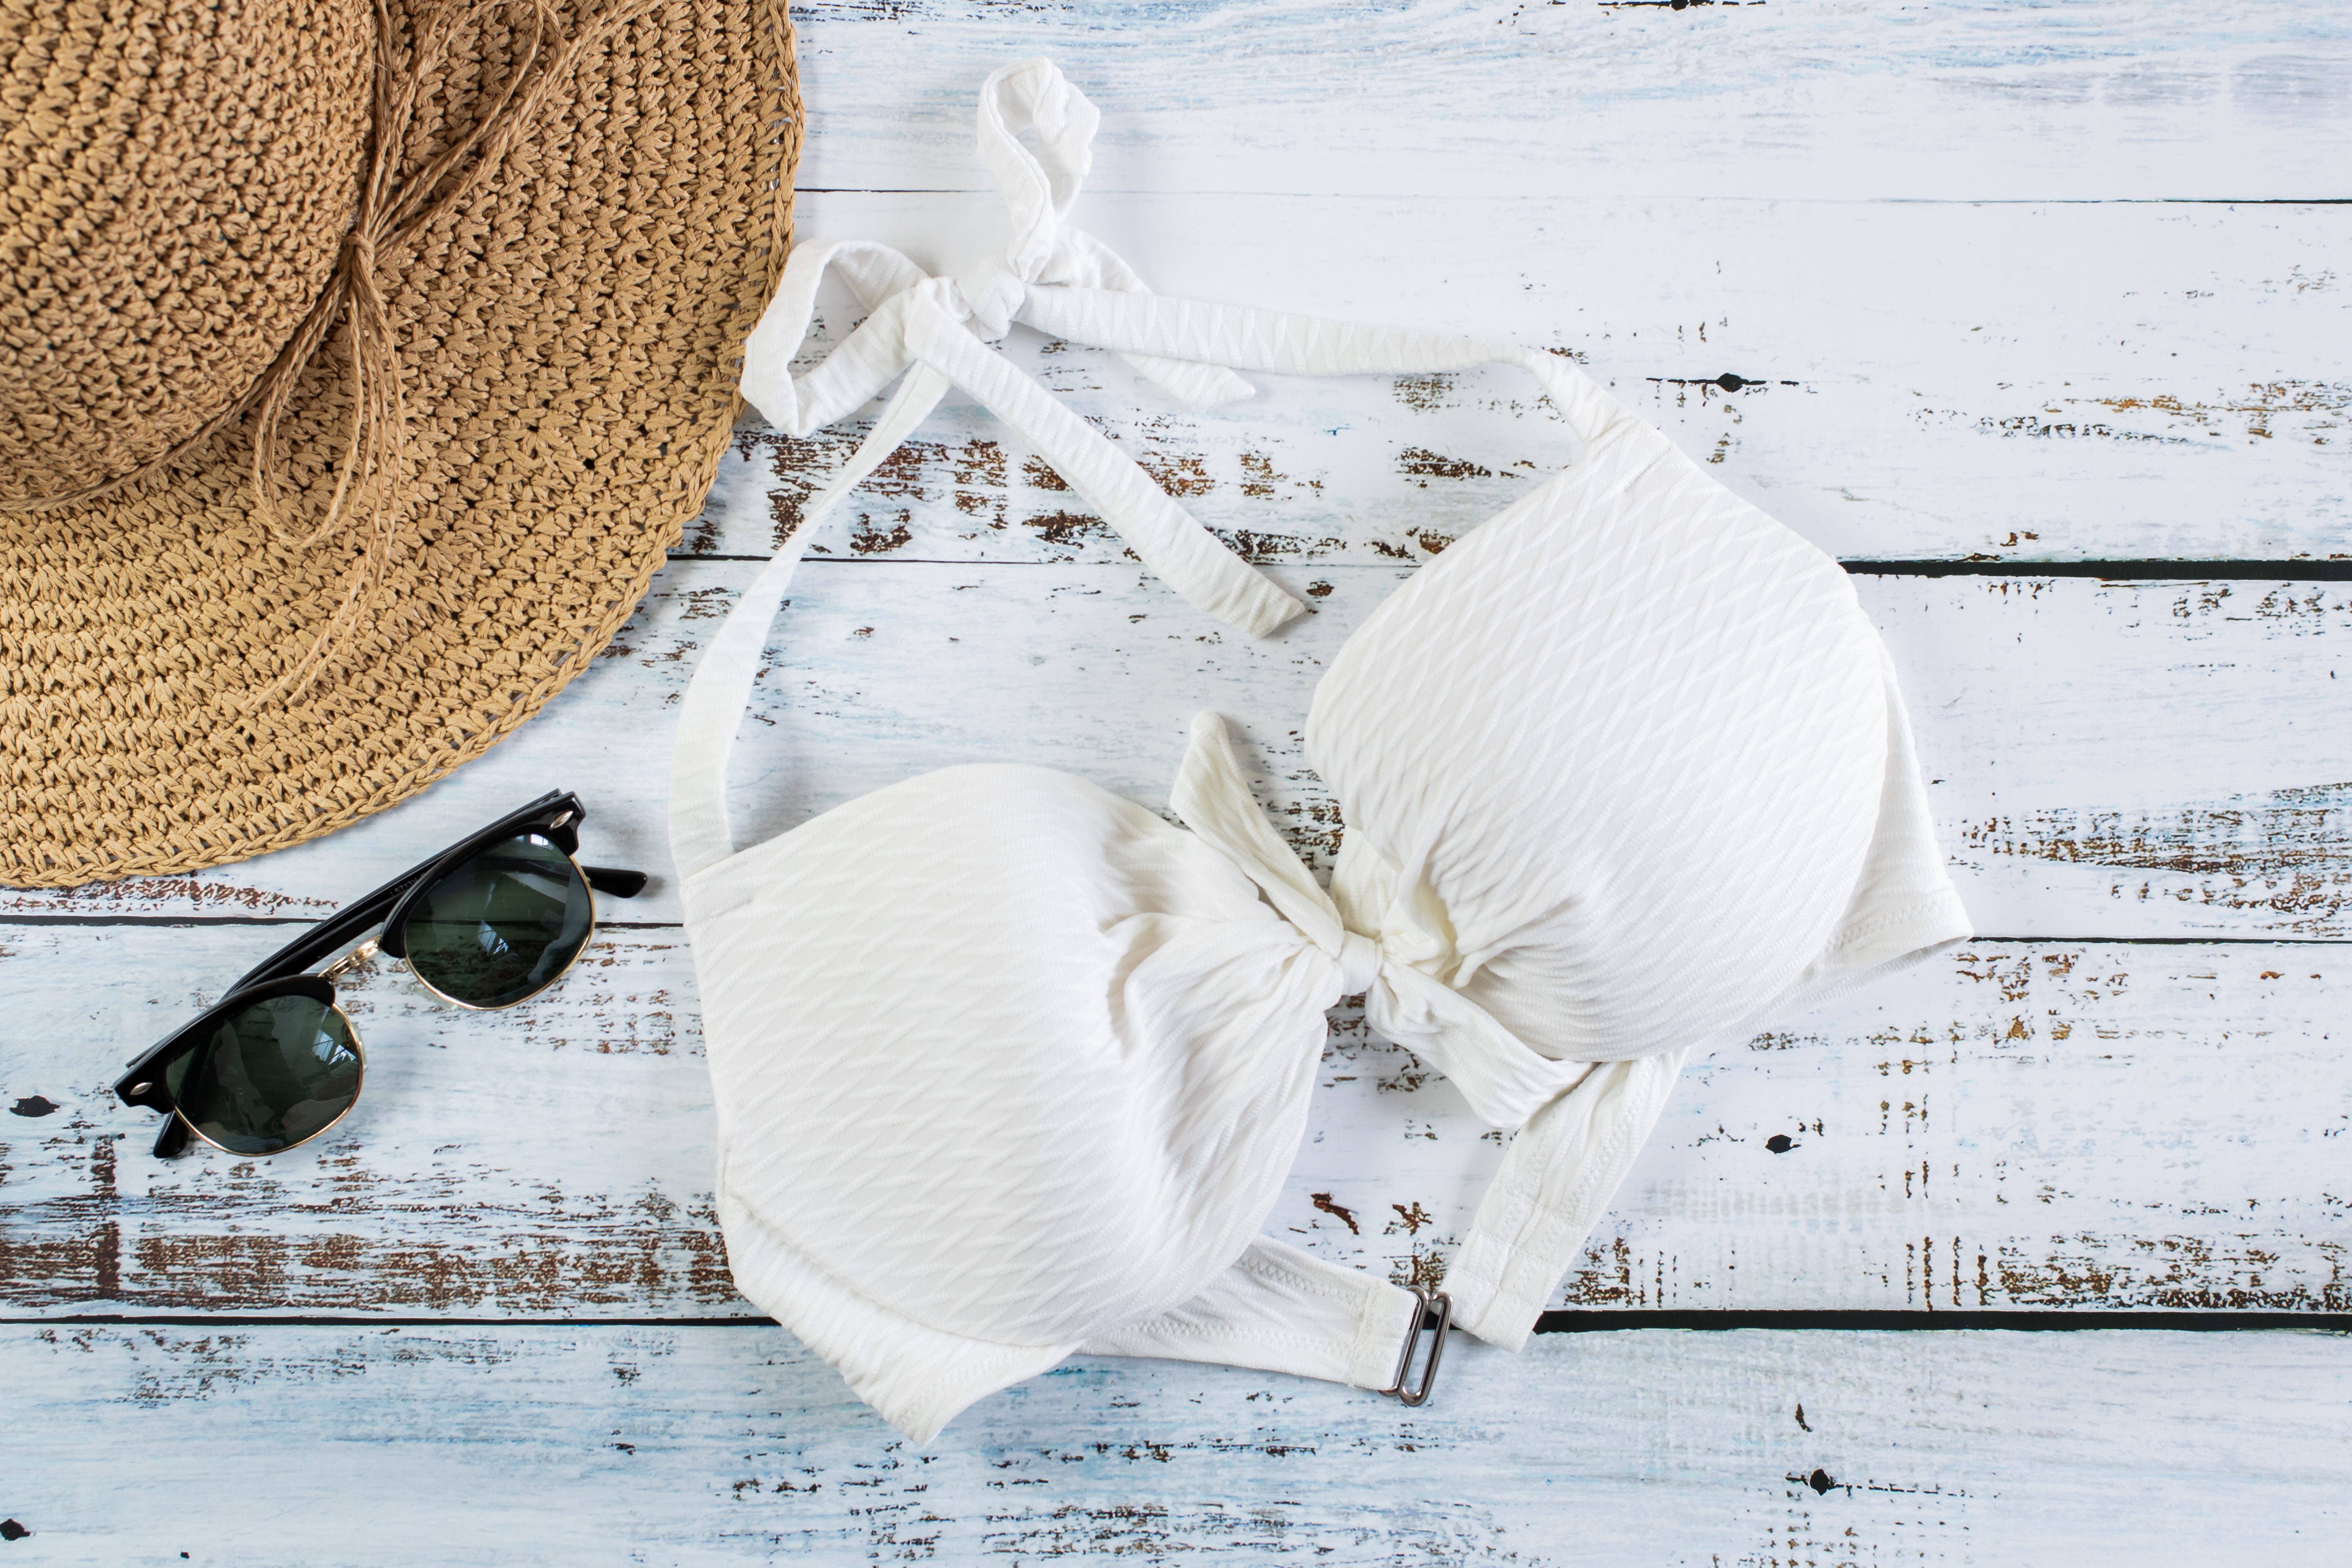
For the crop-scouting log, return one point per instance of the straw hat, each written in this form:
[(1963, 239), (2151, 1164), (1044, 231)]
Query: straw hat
[(359, 362)]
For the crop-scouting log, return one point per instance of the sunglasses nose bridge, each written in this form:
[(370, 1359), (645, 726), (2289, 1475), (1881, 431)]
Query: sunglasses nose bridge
[(350, 963)]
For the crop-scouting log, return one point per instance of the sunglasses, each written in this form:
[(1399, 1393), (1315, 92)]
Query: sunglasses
[(492, 921)]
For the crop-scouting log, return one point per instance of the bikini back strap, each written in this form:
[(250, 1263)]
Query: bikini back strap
[(713, 707)]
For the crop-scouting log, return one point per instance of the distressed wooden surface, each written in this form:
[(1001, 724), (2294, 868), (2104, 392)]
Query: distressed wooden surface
[(1904, 380), (351, 1446), (1946, 99), (2137, 759), (2027, 1125), (1943, 281)]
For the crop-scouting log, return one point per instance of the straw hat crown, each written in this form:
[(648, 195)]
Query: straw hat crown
[(176, 181), (360, 362)]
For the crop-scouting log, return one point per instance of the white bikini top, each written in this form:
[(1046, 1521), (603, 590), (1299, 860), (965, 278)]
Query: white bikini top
[(1008, 1068)]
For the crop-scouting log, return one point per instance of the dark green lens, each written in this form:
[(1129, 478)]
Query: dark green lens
[(502, 925), (277, 1072)]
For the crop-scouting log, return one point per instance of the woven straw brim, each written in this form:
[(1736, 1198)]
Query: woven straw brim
[(571, 338)]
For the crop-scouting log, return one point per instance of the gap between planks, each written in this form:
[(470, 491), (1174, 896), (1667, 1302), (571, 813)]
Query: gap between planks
[(1557, 1321), (2103, 759), (2027, 1128), (1863, 377), (2060, 940), (1306, 195), (2284, 569)]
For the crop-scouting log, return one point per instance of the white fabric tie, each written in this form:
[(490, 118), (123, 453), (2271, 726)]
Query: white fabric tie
[(1360, 962), (915, 322), (1046, 249)]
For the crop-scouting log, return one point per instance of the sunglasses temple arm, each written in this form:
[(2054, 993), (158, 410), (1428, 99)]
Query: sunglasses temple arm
[(355, 920), (173, 1140), (620, 884)]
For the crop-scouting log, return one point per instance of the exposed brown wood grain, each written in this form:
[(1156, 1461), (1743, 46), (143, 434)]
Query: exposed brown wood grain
[(2026, 1126), (1856, 369), (2281, 853)]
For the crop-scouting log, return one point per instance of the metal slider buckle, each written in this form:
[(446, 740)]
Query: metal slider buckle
[(1429, 1305)]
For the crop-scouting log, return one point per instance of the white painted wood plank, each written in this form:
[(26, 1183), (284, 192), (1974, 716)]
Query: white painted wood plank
[(1833, 98), (416, 1446), (2167, 1122), (2029, 1126), (2106, 758), (1909, 380), (2021, 1127)]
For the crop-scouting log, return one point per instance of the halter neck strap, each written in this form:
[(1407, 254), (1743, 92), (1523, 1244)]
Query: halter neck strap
[(930, 333)]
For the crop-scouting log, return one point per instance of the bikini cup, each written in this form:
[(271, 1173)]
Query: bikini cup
[(1007, 1067)]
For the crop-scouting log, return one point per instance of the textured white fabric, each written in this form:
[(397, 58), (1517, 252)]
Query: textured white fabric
[(1007, 1067)]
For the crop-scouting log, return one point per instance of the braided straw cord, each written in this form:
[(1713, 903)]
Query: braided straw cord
[(568, 332), (394, 203)]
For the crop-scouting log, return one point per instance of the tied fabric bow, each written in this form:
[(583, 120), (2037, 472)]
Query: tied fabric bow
[(1578, 1124), (1505, 1079), (934, 331), (393, 207), (1047, 250)]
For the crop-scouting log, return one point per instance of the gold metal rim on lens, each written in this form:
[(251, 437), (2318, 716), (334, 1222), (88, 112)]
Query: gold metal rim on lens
[(587, 939), (367, 950), (359, 1049)]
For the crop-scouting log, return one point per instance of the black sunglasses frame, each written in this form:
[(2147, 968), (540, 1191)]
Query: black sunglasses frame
[(555, 817)]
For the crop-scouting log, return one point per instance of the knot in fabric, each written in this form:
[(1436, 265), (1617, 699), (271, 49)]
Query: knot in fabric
[(981, 302), (1359, 958), (931, 333), (1214, 800), (992, 296), (1505, 1079)]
